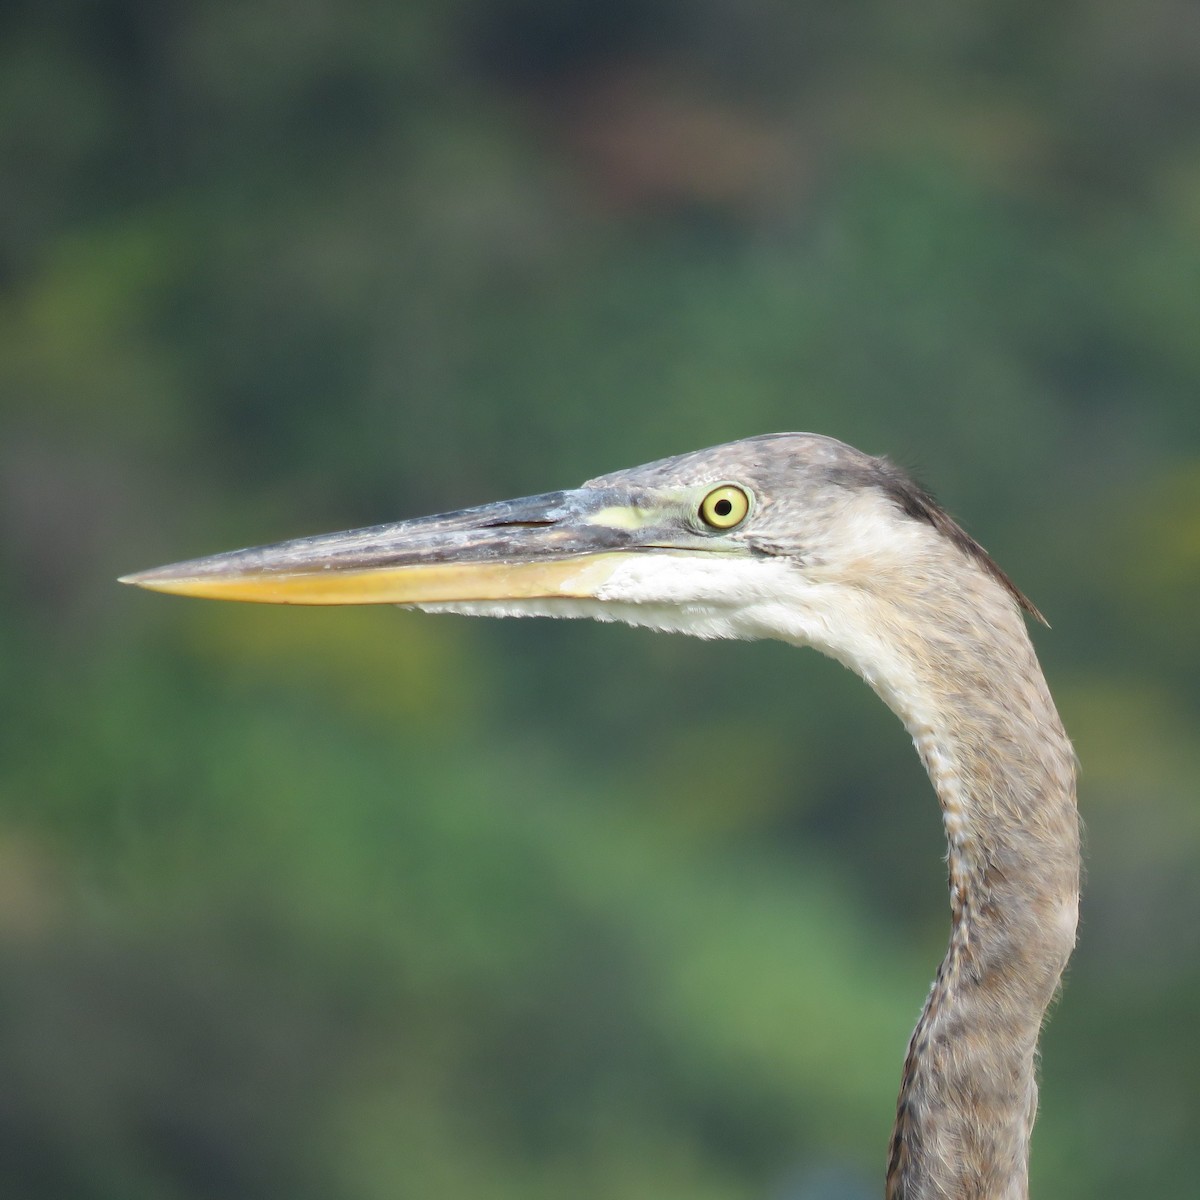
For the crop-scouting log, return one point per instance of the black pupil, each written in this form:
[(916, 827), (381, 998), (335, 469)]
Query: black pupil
[(723, 508)]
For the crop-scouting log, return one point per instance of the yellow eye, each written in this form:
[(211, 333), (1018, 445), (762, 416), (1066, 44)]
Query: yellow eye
[(724, 507)]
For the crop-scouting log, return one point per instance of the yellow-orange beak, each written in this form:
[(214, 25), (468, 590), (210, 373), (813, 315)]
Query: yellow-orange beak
[(563, 544)]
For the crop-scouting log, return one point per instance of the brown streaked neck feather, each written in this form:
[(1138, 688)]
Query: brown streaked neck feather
[(990, 737)]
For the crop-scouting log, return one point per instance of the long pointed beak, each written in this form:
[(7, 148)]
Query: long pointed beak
[(562, 544)]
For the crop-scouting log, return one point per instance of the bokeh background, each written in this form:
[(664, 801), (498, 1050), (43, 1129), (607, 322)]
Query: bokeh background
[(366, 904)]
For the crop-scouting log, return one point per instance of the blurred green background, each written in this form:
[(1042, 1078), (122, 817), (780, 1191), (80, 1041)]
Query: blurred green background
[(367, 904)]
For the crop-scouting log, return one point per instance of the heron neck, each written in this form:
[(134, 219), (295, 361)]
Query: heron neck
[(989, 735)]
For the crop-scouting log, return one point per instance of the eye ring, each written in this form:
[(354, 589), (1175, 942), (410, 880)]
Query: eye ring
[(725, 507)]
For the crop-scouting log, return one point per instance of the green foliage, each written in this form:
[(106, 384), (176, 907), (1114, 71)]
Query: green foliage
[(370, 904)]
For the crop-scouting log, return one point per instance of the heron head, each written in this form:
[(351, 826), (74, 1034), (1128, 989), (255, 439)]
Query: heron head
[(771, 536)]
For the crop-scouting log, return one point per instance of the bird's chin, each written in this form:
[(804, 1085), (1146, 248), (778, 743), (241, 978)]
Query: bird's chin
[(700, 620)]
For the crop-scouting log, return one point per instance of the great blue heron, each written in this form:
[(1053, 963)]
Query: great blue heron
[(802, 538)]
